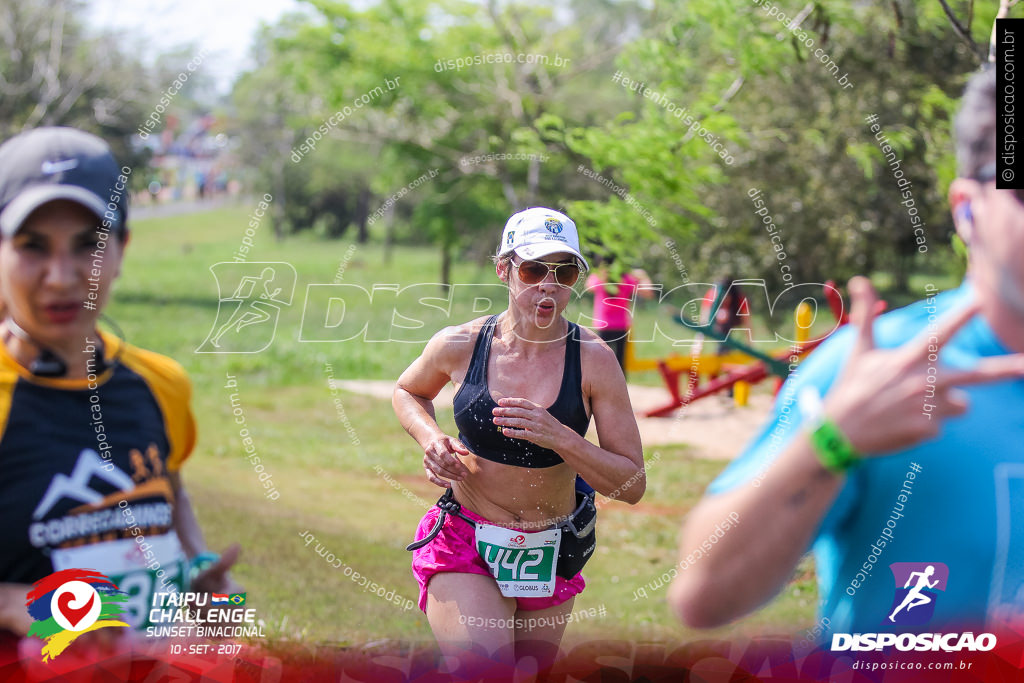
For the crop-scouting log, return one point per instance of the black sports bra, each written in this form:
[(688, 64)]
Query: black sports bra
[(473, 405)]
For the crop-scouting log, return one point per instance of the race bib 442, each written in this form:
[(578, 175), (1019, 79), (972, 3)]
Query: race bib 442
[(523, 564)]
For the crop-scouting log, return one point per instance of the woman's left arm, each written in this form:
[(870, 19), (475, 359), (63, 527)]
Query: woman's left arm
[(616, 467)]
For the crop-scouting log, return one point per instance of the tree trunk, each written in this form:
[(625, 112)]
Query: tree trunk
[(389, 236), (446, 264), (363, 213), (279, 199), (509, 191), (901, 278), (532, 182)]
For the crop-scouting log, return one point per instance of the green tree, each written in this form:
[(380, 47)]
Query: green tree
[(479, 124), (797, 131), (53, 72)]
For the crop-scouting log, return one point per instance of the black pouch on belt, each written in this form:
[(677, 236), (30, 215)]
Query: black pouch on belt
[(579, 537)]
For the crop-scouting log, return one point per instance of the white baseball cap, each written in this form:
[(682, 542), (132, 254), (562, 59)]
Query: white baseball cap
[(537, 232)]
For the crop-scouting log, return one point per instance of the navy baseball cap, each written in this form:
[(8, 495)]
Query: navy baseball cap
[(46, 164)]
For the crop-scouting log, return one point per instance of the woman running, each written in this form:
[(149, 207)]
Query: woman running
[(498, 560), (93, 431)]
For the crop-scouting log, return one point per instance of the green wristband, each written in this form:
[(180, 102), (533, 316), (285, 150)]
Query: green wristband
[(200, 563), (832, 447)]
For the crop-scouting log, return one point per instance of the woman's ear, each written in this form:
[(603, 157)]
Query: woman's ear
[(961, 192)]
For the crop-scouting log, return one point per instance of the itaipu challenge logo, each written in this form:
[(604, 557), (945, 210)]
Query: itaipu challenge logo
[(71, 602)]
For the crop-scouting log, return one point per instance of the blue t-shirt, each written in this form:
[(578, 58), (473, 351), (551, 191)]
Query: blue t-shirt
[(964, 507)]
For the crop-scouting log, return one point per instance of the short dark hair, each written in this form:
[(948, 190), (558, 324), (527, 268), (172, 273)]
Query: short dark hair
[(975, 124)]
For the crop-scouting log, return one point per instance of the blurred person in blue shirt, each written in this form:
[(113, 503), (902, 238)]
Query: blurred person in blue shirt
[(898, 446)]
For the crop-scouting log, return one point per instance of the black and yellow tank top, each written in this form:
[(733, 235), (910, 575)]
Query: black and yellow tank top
[(84, 472)]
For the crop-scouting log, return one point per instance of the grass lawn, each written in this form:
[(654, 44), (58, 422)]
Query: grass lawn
[(321, 454)]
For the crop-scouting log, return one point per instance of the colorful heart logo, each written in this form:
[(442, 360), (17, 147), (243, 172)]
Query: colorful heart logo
[(72, 614), (75, 606), (70, 602)]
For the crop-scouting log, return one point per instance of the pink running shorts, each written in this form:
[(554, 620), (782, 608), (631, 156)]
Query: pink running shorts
[(453, 550)]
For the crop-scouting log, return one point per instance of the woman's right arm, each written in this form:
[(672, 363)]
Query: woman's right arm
[(413, 403)]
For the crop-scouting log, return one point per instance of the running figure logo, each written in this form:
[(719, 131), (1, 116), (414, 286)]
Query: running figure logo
[(917, 584), (247, 318)]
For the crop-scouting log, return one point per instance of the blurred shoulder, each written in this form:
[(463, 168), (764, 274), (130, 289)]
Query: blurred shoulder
[(159, 370)]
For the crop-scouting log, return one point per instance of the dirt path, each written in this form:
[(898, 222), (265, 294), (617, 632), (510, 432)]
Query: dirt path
[(181, 208), (714, 427)]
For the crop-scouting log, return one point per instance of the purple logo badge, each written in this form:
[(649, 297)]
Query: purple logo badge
[(917, 586)]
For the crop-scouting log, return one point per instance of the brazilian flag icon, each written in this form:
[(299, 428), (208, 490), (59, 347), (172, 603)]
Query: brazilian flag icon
[(237, 598)]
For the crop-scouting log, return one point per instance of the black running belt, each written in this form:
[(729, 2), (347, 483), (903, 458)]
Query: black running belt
[(448, 505)]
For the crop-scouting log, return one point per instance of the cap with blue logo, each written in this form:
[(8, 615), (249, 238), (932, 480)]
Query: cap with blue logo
[(538, 232)]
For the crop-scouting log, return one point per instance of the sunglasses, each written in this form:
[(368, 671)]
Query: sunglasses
[(534, 272), (989, 173)]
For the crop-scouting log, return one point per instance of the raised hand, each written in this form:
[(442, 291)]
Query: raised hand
[(879, 400)]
